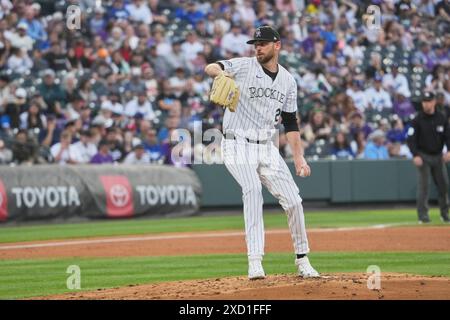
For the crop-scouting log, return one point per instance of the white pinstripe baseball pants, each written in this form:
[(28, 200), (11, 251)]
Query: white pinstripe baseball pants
[(252, 165)]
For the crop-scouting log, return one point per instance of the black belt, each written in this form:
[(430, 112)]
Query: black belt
[(231, 136)]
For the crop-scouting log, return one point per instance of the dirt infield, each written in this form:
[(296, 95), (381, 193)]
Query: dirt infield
[(346, 239), (332, 286), (286, 287)]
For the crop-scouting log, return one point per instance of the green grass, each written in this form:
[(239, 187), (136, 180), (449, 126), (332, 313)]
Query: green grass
[(27, 278), (235, 222)]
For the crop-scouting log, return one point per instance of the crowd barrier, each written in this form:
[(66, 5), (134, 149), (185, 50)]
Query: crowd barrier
[(47, 192)]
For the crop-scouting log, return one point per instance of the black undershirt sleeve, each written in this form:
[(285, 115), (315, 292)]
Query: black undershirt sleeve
[(412, 137), (289, 120)]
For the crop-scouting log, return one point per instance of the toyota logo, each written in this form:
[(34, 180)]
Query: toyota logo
[(119, 195)]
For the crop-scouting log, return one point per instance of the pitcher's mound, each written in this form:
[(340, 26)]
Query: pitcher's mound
[(282, 286)]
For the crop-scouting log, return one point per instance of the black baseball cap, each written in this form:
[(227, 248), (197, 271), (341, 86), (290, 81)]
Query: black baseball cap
[(428, 96), (139, 146), (102, 143), (85, 133), (265, 33)]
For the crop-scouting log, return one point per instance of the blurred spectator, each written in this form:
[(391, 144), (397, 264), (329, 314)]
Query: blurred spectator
[(6, 155), (425, 56), (375, 66), (300, 29), (358, 96), (64, 152), (119, 65), (403, 106), (112, 103), (24, 148), (190, 13), (140, 105), (104, 117), (397, 133), (314, 81), (318, 127), (375, 147), (56, 58), (19, 61), (138, 156), (160, 65), (97, 24), (442, 105), (396, 83), (33, 118), (86, 91), (5, 8), (51, 134), (247, 12), (234, 43), (200, 85), (308, 44), (436, 79), (341, 147), (103, 156), (378, 99), (178, 84), (358, 145), (442, 56), (54, 96), (20, 39), (353, 50), (139, 11), (166, 100), (288, 6), (399, 151), (171, 124), (15, 108), (442, 9), (177, 58), (163, 47), (118, 11), (39, 62), (156, 150), (150, 81), (85, 150), (192, 46), (5, 92), (35, 29), (115, 141), (330, 37), (358, 124)]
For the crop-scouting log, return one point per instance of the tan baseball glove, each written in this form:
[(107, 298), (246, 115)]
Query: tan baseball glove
[(225, 92)]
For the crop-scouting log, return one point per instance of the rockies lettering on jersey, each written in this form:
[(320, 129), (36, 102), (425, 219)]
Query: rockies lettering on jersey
[(268, 93), (261, 99)]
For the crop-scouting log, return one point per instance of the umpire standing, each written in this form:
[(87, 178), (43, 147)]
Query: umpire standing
[(426, 138)]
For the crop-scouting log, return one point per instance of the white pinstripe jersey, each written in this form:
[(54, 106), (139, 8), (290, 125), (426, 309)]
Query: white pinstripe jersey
[(261, 99)]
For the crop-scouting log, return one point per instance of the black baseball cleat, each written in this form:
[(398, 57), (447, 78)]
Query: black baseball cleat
[(424, 220), (445, 219)]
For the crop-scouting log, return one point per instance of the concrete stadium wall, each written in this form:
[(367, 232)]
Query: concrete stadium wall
[(356, 181)]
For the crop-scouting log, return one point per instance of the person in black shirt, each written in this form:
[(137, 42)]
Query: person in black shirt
[(14, 109), (56, 58), (428, 134)]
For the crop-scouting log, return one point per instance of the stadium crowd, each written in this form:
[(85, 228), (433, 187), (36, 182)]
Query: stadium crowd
[(114, 89)]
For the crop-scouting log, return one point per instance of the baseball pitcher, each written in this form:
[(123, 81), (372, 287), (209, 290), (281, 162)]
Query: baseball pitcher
[(257, 93)]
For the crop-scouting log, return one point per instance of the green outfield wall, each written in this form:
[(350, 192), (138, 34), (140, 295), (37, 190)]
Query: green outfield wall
[(357, 181)]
